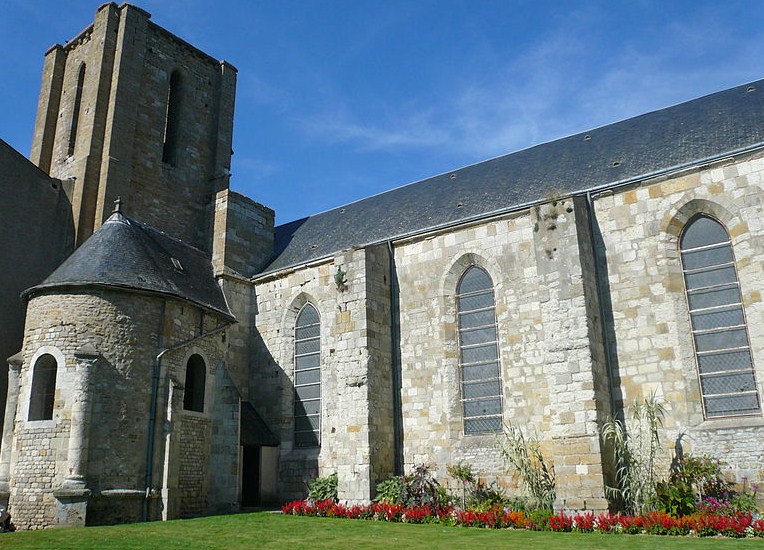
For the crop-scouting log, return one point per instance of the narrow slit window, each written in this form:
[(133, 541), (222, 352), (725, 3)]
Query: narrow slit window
[(76, 110), (717, 318), (43, 392), (481, 385), (172, 120), (196, 384), (307, 378)]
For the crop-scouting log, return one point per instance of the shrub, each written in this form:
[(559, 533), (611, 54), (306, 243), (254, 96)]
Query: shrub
[(538, 519), (391, 491), (323, 488), (698, 484), (635, 455), (524, 457), (422, 487), (476, 494), (417, 488), (676, 497)]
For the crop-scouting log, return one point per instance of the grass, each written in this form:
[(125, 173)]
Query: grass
[(264, 530)]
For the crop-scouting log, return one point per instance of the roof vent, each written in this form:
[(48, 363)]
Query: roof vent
[(750, 89), (459, 205), (176, 264), (615, 163), (587, 137), (342, 210), (453, 176)]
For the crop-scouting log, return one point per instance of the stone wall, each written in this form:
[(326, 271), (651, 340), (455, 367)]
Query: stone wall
[(127, 331), (546, 355), (118, 150), (428, 272), (640, 228), (39, 234), (242, 245), (192, 478), (355, 361)]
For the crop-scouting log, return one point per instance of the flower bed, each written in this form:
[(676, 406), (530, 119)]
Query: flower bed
[(701, 524)]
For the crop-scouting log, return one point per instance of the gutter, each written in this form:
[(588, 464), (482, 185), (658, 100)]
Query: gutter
[(149, 473)]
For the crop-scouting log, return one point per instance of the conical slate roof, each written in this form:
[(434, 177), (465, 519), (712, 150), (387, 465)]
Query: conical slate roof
[(125, 253)]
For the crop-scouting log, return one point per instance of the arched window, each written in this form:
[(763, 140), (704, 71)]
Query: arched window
[(43, 388), (172, 119), (722, 349), (479, 353), (307, 377), (196, 379), (76, 110)]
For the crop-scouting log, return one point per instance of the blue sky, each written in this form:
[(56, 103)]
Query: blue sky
[(339, 100)]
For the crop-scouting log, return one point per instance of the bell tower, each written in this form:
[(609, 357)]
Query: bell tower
[(128, 109)]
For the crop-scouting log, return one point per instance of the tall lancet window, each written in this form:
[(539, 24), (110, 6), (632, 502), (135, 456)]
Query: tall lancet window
[(307, 378), (479, 353), (719, 330), (43, 393), (76, 110), (172, 119), (196, 381)]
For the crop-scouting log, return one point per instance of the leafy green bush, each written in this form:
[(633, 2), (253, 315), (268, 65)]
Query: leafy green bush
[(323, 488), (418, 488), (392, 491), (698, 483), (676, 497)]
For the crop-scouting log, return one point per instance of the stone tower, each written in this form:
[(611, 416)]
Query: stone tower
[(128, 109)]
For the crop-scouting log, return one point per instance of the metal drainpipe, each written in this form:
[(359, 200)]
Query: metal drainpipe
[(153, 412), (395, 356), (601, 302)]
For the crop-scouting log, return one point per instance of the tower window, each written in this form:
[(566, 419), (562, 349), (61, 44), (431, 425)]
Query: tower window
[(196, 375), (172, 120), (719, 329), (307, 378), (479, 353), (76, 110), (43, 388)]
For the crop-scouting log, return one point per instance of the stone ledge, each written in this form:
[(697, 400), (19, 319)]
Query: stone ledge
[(70, 493), (122, 493), (731, 423)]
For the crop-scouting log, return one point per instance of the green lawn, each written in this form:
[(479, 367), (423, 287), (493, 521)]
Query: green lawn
[(264, 530)]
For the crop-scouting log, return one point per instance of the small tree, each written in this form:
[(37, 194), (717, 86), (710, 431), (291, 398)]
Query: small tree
[(635, 455), (462, 473), (524, 457)]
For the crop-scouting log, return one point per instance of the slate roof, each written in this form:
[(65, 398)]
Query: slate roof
[(125, 253), (702, 129)]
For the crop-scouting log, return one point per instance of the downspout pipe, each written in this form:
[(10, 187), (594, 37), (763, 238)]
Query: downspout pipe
[(395, 346), (149, 474)]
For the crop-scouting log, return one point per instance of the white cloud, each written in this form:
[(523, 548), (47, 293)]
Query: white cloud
[(573, 77)]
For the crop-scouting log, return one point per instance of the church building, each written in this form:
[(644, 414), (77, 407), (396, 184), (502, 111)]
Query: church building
[(173, 353)]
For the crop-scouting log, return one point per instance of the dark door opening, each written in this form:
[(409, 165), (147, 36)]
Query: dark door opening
[(250, 476)]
